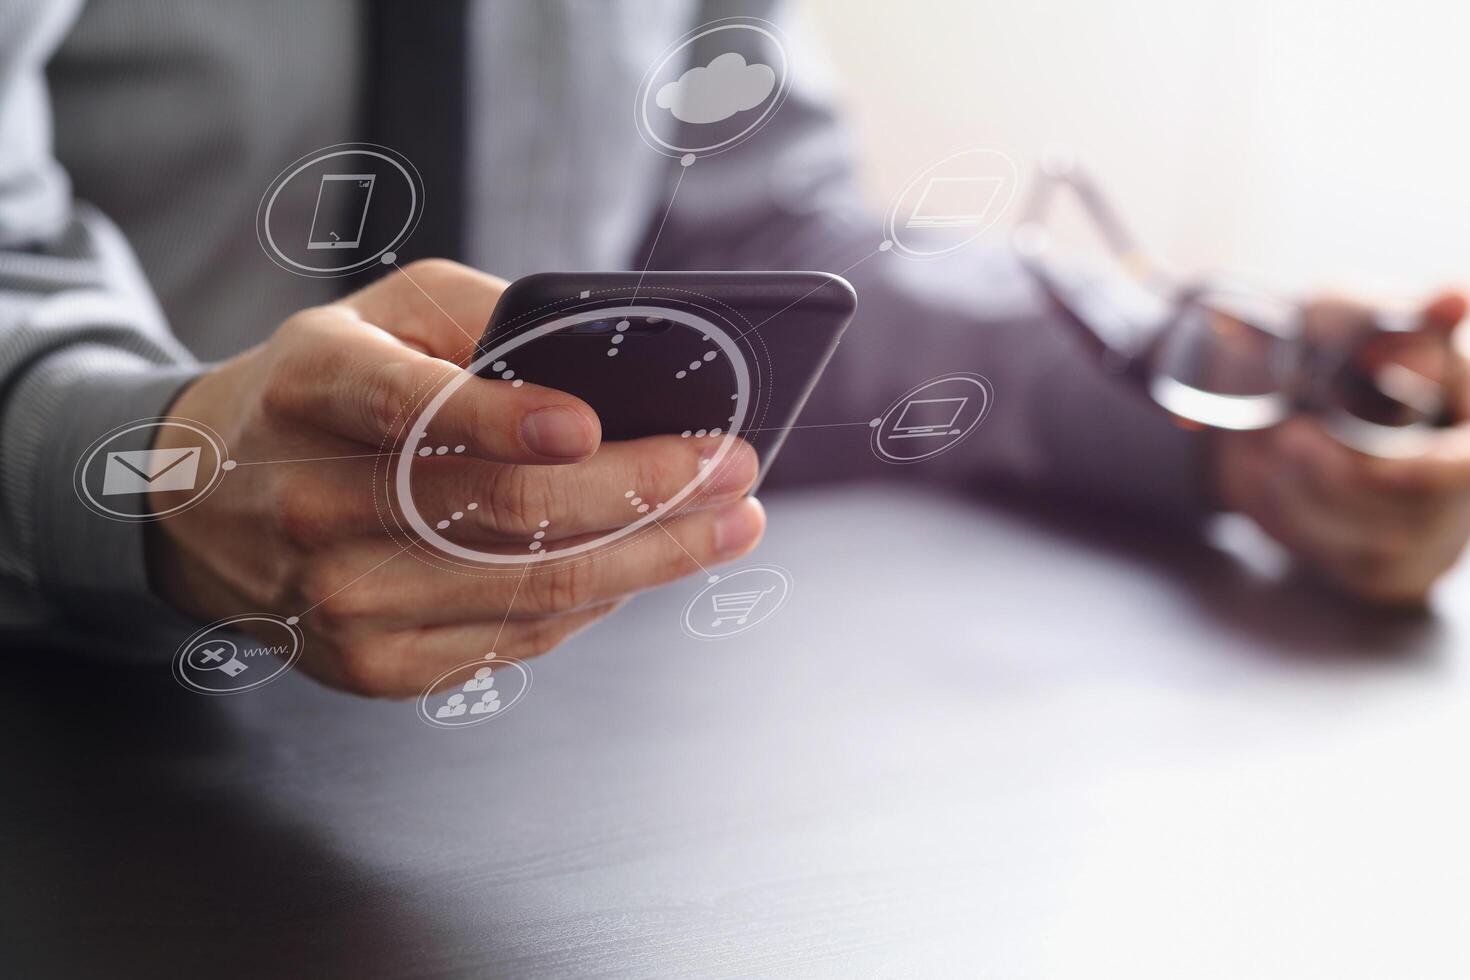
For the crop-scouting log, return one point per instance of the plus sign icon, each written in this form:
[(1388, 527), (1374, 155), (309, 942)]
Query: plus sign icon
[(220, 655), (237, 655)]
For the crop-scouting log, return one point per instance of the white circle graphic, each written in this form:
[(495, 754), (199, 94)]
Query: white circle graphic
[(736, 601), (216, 665), (488, 688), (932, 418), (398, 164), (142, 469), (954, 200), (418, 434), (646, 90)]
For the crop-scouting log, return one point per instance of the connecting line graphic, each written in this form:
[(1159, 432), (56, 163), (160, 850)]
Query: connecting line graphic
[(508, 607), (869, 424), (472, 339), (312, 459), (293, 620), (804, 295), (659, 233), (707, 573)]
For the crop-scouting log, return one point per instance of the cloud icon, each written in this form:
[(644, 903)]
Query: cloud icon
[(717, 91)]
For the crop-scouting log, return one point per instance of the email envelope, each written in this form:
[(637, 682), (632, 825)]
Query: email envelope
[(143, 470)]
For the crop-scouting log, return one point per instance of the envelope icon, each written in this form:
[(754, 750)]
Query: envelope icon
[(143, 470)]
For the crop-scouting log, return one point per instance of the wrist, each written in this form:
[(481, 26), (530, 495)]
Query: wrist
[(175, 575)]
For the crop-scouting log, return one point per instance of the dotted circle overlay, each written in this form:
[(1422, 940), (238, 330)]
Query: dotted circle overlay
[(425, 419), (671, 302)]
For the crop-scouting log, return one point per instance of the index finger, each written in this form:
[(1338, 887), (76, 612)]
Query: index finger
[(437, 305), (1442, 469), (361, 384)]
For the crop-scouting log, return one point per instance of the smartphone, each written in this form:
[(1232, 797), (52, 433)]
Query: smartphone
[(702, 355)]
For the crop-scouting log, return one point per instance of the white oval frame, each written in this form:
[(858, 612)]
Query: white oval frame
[(493, 663), (418, 432), (645, 87), (290, 661)]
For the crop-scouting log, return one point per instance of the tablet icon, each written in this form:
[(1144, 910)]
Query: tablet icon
[(140, 471), (341, 210)]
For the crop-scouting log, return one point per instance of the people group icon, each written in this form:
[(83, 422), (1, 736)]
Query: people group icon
[(453, 708), (489, 701)]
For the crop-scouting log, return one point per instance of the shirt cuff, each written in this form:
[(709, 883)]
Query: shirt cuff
[(91, 567)]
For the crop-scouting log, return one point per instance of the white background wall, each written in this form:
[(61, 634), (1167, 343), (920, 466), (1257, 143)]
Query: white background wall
[(1315, 143)]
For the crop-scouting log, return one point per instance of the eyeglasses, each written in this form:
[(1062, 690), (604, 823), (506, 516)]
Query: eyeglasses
[(1220, 355)]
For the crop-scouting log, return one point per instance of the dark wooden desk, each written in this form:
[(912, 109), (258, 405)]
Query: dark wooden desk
[(973, 744)]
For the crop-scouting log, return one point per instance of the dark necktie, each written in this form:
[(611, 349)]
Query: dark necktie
[(415, 77)]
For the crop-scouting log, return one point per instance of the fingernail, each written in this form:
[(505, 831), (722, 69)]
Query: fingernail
[(737, 470), (739, 526), (560, 432)]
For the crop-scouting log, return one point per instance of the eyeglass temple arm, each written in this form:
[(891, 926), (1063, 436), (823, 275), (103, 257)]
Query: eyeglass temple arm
[(1052, 178)]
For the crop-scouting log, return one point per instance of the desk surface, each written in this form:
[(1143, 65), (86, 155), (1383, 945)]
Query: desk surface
[(974, 743)]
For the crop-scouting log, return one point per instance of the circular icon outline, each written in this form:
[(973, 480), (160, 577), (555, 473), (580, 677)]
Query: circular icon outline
[(84, 464), (491, 661), (417, 430), (401, 163), (787, 580), (890, 221), (978, 380), (197, 638), (188, 657), (645, 87)]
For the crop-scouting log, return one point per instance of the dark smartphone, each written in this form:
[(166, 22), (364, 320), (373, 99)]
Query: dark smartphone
[(696, 354)]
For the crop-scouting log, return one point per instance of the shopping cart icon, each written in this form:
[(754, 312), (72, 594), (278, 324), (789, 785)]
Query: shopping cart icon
[(736, 605)]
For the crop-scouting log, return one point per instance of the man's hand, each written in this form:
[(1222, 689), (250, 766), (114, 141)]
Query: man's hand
[(337, 381), (1381, 529)]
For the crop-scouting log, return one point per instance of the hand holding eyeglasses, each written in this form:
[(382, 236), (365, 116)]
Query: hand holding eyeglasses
[(1382, 528), (1343, 430)]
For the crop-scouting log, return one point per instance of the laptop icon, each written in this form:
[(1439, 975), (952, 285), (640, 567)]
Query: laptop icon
[(922, 417), (954, 202)]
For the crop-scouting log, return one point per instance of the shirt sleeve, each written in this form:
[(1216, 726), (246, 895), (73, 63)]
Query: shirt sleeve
[(787, 199), (84, 348)]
